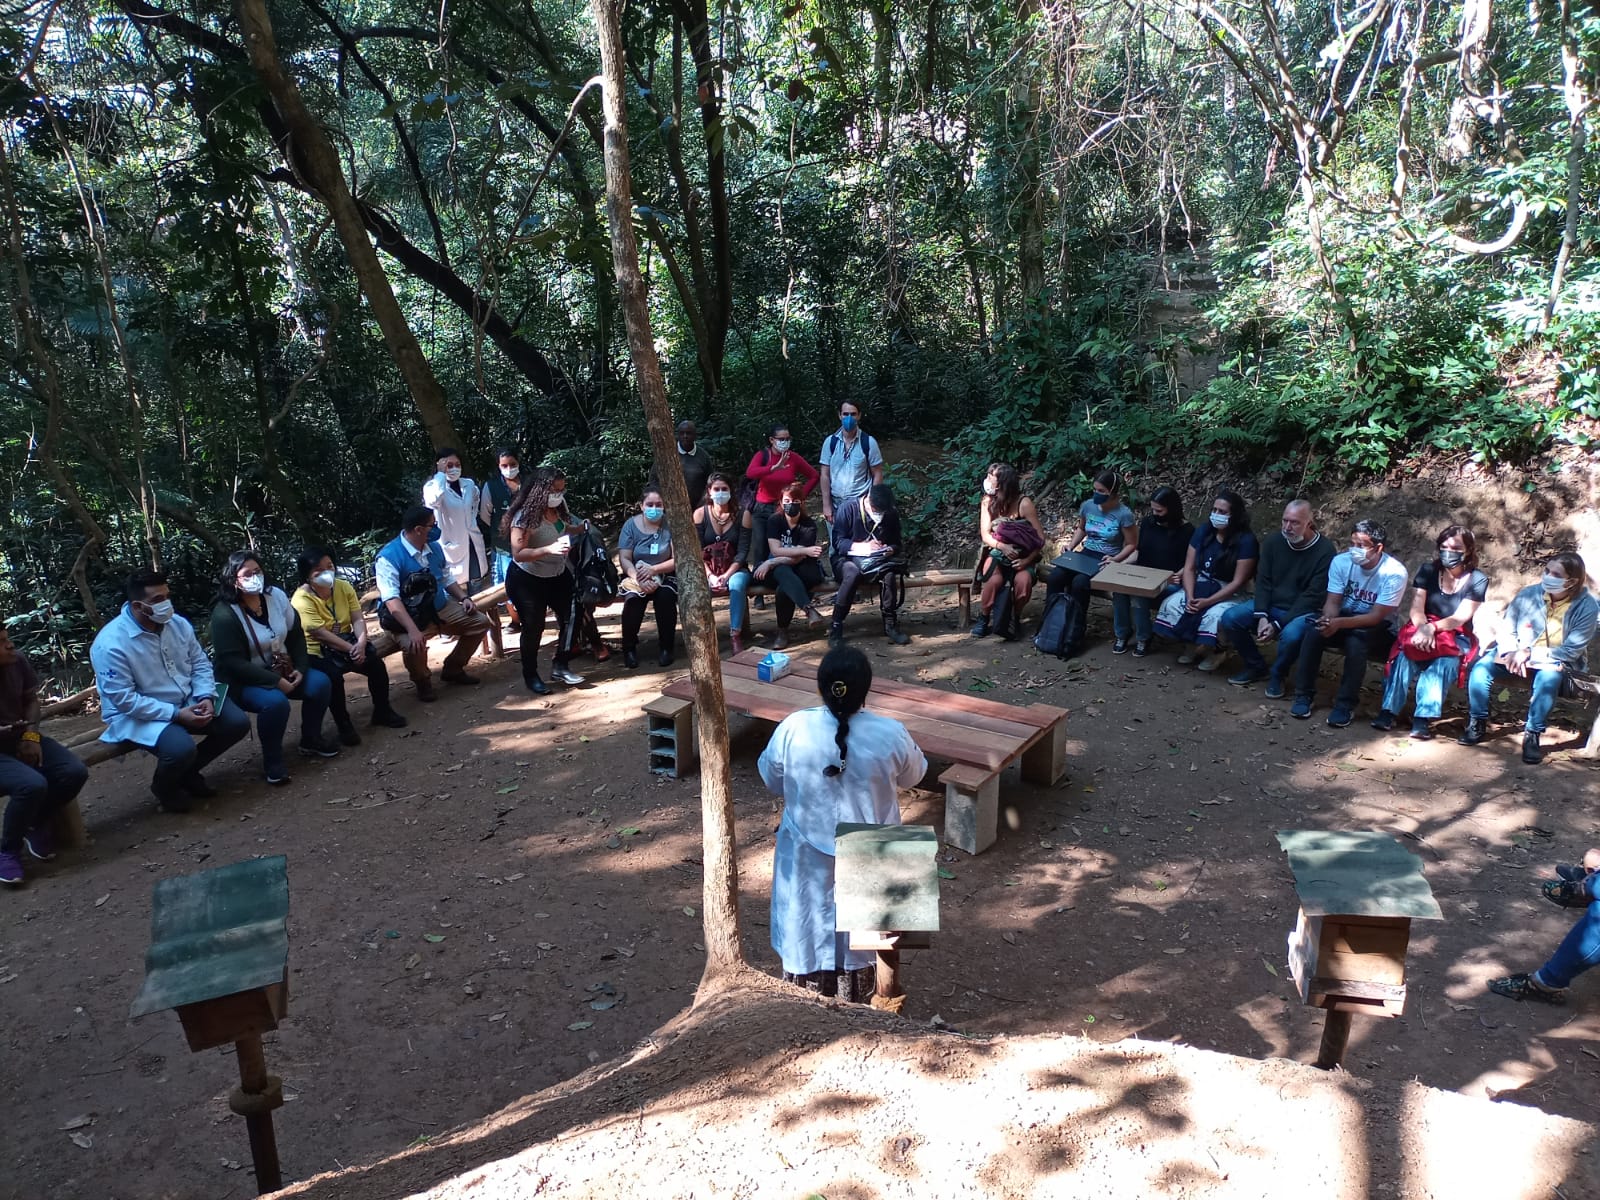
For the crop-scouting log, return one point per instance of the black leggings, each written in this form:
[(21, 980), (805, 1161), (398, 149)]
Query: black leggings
[(532, 594), (336, 666), (794, 583), (665, 601)]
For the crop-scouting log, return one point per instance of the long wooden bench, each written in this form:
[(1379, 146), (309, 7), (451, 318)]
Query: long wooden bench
[(959, 578), (979, 738)]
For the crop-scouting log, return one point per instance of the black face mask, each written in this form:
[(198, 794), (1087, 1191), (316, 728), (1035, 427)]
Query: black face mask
[(791, 510)]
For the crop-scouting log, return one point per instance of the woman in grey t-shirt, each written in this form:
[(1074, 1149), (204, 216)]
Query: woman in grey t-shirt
[(539, 529), (645, 547)]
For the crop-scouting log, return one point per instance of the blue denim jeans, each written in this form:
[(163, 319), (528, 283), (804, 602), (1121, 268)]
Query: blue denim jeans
[(1359, 645), (1135, 615), (271, 707), (1433, 680), (179, 752), (738, 604), (1486, 673), (1238, 628), (1579, 950), (36, 792)]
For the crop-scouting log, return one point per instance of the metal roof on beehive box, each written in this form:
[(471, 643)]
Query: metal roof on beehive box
[(1357, 873), (215, 933), (886, 877)]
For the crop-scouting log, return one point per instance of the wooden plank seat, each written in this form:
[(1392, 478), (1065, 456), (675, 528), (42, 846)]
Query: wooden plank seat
[(980, 738), (959, 578)]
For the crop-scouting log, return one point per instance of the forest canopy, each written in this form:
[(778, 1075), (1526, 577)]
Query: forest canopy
[(969, 219)]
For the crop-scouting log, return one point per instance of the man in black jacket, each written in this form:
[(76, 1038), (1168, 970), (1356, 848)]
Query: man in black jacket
[(1291, 580), (866, 545)]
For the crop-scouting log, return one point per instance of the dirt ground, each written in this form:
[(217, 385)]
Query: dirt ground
[(501, 897)]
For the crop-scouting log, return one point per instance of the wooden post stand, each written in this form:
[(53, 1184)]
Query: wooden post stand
[(254, 1099), (1335, 1036)]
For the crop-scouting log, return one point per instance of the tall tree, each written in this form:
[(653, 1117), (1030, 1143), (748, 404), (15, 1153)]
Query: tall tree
[(721, 885)]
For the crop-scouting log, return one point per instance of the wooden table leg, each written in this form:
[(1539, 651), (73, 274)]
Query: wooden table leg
[(1335, 1036), (888, 984), (254, 1099)]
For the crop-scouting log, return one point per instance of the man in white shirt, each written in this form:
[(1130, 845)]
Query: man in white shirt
[(850, 462), (1365, 587)]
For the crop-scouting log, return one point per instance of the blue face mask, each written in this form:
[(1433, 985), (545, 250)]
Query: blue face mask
[(848, 422), (1103, 499), (652, 512)]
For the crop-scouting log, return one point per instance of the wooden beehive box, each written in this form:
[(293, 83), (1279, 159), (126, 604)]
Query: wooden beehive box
[(886, 879), (1359, 893)]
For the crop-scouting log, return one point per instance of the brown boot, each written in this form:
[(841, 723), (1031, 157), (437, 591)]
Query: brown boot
[(736, 640)]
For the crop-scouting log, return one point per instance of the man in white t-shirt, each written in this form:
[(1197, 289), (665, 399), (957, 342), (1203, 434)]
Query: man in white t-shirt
[(1365, 587)]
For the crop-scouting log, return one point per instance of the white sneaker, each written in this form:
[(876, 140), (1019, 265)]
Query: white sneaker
[(562, 675), (1212, 663)]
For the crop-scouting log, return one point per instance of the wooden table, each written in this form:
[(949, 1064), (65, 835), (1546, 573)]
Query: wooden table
[(979, 738)]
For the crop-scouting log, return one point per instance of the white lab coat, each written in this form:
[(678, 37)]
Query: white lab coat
[(883, 759), (459, 535)]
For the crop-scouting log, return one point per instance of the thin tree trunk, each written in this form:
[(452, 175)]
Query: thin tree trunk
[(313, 154), (721, 885), (1578, 103)]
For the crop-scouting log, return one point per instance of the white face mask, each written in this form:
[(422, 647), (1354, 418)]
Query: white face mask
[(253, 585), (1553, 584), (452, 473), (324, 578), (510, 472), (160, 612), (1219, 520), (781, 445), (721, 497), (989, 487), (1360, 555), (556, 499)]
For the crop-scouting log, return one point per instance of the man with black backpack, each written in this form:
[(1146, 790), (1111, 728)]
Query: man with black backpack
[(414, 601), (850, 462)]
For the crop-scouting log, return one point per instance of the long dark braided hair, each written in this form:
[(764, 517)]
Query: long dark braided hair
[(843, 680), (531, 500)]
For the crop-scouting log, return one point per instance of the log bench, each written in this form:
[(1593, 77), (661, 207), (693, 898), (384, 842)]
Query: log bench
[(980, 738)]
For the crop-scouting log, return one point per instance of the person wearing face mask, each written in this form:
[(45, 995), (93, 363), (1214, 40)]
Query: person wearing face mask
[(725, 533), (1365, 586), (158, 692), (695, 462), (866, 546), (1109, 529), (540, 531), (1435, 649), (793, 562), (850, 461), (770, 471), (455, 502), (337, 644), (1013, 543), (38, 774), (417, 596), (1544, 637), (1291, 582), (1219, 564), (261, 656), (645, 548), (1163, 543), (499, 493)]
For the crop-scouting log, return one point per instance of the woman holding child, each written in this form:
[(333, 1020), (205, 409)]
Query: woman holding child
[(1013, 542)]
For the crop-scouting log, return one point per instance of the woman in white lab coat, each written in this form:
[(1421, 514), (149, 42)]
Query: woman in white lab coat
[(830, 764), (455, 503)]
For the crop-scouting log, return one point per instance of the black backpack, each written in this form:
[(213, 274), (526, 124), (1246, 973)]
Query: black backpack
[(595, 578), (1055, 627)]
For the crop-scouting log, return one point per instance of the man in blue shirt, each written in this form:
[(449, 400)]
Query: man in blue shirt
[(157, 691), (850, 462), (411, 606)]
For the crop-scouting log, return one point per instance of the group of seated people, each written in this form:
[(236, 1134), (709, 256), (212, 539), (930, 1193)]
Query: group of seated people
[(1227, 589)]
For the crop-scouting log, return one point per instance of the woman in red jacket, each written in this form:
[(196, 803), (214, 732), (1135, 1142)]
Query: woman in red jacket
[(771, 470)]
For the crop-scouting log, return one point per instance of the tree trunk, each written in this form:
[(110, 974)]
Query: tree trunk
[(1576, 93), (314, 155), (721, 886)]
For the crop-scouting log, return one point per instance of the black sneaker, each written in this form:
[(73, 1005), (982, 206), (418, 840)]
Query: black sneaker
[(195, 784), (1120, 646), (630, 658), (389, 719), (1532, 752), (1526, 987), (1477, 729), (1384, 721), (1140, 649), (318, 748), (1565, 893)]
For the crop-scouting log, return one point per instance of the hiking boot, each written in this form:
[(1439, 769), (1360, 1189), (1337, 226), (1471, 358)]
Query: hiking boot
[(1566, 893), (40, 844), (835, 634), (891, 630), (562, 675), (1119, 646), (980, 627), (388, 718), (1384, 721), (10, 869), (1477, 729), (1532, 752), (1526, 987), (736, 640)]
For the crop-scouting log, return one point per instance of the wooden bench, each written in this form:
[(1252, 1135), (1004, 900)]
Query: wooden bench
[(979, 738), (959, 578)]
